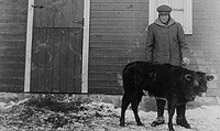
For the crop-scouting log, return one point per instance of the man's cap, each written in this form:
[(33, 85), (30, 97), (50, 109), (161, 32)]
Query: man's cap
[(164, 8)]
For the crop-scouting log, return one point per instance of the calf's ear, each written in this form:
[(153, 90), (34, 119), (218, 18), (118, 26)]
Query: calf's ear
[(209, 77), (188, 77)]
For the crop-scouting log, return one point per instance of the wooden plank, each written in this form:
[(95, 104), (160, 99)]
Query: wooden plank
[(16, 51), (134, 30), (13, 1), (12, 37), (116, 52), (112, 37), (73, 53), (74, 61), (106, 90), (204, 38), (57, 59), (119, 14), (205, 16), (14, 12), (104, 76), (96, 68), (12, 73), (205, 1), (12, 44), (118, 23), (11, 88), (48, 60), (38, 60), (119, 44), (201, 7), (117, 1), (9, 66), (114, 60), (13, 19), (207, 31), (131, 6), (12, 28), (13, 6), (104, 83), (12, 81), (16, 59), (64, 61)]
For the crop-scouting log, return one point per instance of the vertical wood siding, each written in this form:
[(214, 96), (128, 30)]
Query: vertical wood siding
[(117, 36), (13, 16), (56, 62), (205, 41)]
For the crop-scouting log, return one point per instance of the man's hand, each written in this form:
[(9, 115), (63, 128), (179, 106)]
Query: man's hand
[(185, 61)]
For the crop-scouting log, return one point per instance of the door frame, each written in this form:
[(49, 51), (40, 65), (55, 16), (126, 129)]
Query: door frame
[(85, 46)]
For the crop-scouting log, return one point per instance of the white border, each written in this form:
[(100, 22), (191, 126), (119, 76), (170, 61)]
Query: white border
[(29, 35)]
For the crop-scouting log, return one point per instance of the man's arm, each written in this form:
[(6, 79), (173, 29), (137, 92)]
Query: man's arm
[(149, 44), (184, 47)]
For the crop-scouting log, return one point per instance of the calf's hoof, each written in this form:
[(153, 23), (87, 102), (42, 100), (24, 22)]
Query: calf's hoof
[(156, 123), (183, 122), (171, 129), (122, 124)]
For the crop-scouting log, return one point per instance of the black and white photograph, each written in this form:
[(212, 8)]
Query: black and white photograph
[(109, 65)]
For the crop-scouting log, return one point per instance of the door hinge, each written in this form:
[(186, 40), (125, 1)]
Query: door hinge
[(79, 22), (37, 6)]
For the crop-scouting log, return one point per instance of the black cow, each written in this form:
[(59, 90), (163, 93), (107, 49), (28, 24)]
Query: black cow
[(174, 83)]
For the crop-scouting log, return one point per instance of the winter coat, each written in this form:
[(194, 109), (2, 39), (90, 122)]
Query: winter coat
[(166, 43)]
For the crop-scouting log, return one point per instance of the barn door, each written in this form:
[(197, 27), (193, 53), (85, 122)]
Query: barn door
[(57, 46)]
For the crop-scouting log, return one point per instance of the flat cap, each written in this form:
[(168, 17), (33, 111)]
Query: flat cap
[(164, 8)]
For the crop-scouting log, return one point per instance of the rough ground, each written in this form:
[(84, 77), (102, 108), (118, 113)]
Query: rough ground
[(64, 113)]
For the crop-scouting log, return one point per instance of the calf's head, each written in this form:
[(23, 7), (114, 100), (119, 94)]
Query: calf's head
[(196, 84)]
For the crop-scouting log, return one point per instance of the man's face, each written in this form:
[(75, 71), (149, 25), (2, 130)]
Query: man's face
[(164, 17)]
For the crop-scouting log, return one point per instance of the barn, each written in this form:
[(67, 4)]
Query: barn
[(81, 46)]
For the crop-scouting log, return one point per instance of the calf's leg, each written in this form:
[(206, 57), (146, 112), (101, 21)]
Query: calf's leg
[(134, 104), (171, 111), (181, 118), (160, 111), (126, 100)]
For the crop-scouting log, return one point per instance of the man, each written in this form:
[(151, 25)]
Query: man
[(166, 44)]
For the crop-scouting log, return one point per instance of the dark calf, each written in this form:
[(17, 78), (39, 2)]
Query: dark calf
[(174, 83)]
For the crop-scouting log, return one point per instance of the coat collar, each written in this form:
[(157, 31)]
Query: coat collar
[(158, 22)]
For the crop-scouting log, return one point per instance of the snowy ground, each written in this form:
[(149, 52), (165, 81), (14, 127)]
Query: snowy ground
[(49, 115)]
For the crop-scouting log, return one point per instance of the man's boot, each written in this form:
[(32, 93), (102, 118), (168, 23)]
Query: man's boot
[(160, 111), (181, 118)]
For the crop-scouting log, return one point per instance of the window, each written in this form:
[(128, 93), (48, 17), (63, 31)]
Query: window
[(182, 12)]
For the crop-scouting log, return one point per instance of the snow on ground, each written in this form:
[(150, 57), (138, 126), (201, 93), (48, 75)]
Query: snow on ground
[(205, 118), (29, 115)]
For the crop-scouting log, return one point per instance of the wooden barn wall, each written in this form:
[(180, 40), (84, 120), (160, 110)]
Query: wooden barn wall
[(117, 36), (205, 41), (13, 15)]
